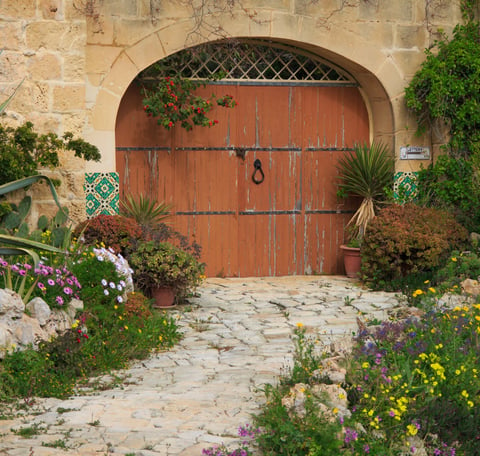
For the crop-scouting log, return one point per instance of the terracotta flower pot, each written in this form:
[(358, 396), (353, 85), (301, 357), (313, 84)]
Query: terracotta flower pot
[(164, 297), (352, 260)]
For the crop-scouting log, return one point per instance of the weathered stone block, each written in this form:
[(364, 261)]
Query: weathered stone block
[(44, 66), (11, 35), (24, 9), (51, 9), (74, 68), (411, 36), (69, 98), (99, 57), (387, 11), (129, 31)]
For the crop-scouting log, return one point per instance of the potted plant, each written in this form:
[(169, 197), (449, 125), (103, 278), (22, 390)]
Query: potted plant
[(163, 270), (366, 172)]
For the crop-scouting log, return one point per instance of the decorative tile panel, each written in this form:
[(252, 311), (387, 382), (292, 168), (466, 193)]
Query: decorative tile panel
[(102, 193), (405, 185)]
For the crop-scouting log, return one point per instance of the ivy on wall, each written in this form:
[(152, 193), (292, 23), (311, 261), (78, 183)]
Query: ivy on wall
[(446, 89)]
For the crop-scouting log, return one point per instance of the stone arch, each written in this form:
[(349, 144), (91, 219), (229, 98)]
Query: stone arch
[(380, 79)]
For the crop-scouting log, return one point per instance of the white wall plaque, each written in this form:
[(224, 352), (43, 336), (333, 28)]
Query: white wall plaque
[(414, 153)]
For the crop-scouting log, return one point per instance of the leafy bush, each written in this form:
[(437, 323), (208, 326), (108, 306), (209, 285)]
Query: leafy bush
[(452, 184), (406, 240), (446, 88), (460, 266), (23, 151), (115, 231), (162, 264)]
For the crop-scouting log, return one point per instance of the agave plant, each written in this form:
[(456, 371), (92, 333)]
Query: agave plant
[(21, 246), (147, 212), (365, 172)]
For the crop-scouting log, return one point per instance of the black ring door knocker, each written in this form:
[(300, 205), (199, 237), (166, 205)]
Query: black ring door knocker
[(257, 164)]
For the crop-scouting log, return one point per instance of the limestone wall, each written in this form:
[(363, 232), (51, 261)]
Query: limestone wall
[(79, 56)]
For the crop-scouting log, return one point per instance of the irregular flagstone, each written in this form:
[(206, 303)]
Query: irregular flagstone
[(237, 337)]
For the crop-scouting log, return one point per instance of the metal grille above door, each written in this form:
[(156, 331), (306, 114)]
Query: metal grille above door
[(252, 61)]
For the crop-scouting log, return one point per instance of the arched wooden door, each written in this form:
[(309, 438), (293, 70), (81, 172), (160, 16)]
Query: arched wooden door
[(291, 222)]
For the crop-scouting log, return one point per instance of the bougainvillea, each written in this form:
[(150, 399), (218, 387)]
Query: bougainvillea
[(173, 101)]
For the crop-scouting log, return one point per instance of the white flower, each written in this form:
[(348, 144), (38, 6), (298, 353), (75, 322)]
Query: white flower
[(104, 282), (106, 292), (112, 285), (119, 299), (119, 287)]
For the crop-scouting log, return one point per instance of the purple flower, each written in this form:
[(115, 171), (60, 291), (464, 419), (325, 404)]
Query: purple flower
[(41, 286), (59, 300), (67, 291), (15, 268), (51, 282), (22, 272)]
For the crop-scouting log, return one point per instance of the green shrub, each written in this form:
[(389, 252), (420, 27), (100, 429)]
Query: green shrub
[(115, 231), (459, 266), (407, 240), (23, 151), (452, 184)]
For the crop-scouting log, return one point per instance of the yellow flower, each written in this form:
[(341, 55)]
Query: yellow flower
[(427, 281), (454, 259), (470, 403), (365, 365), (335, 410), (465, 394), (299, 325), (417, 293), (126, 327), (411, 429), (431, 289)]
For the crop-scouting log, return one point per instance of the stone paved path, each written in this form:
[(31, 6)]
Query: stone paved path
[(237, 336)]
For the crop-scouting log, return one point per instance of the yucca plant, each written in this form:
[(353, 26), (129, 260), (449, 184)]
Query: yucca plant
[(145, 211), (365, 172)]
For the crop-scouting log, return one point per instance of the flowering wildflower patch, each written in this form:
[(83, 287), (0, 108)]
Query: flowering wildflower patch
[(419, 378), (57, 285)]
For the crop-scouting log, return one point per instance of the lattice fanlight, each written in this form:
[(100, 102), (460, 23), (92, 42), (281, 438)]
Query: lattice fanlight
[(249, 61)]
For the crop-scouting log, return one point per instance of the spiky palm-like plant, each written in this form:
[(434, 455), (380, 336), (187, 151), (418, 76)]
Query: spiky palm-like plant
[(365, 172), (147, 212)]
